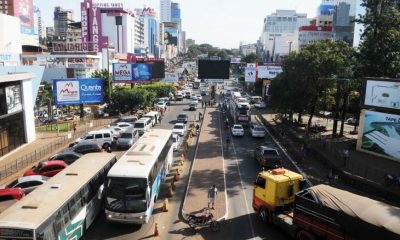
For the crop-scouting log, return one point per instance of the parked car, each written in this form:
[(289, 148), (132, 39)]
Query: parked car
[(199, 97), (124, 126), (67, 156), (161, 104), (127, 138), (166, 100), (128, 119), (28, 183), (86, 147), (237, 130), (268, 157), (257, 130), (260, 105), (47, 168), (182, 117), (143, 125), (8, 196), (180, 129), (188, 95), (176, 141)]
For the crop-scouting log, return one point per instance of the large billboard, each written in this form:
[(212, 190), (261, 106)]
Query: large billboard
[(380, 134), (326, 10), (23, 9), (235, 59), (78, 91), (157, 67), (250, 74), (382, 93), (132, 72), (91, 26), (171, 33), (268, 72), (213, 69), (171, 77)]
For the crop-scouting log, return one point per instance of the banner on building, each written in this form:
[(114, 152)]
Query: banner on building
[(132, 73), (235, 60), (379, 134), (382, 93), (269, 72), (171, 77), (212, 81), (78, 91), (250, 74), (171, 33)]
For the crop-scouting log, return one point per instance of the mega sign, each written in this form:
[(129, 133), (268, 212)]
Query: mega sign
[(122, 72), (129, 73), (78, 91)]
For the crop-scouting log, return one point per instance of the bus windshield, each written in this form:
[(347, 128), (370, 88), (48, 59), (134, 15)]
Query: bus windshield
[(126, 195)]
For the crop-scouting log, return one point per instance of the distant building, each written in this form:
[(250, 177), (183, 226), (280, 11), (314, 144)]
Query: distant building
[(165, 11), (61, 20), (151, 31), (343, 25), (309, 34), (280, 33), (74, 33), (183, 42), (247, 49), (190, 42), (39, 25)]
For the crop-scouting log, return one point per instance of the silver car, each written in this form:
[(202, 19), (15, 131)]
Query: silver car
[(28, 183), (127, 139)]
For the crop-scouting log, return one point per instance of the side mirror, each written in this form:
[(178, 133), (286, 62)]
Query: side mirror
[(100, 192)]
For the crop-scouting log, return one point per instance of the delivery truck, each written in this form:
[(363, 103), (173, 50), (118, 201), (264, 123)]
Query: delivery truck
[(321, 211)]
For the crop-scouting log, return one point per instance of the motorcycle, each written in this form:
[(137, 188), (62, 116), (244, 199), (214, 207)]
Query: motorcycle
[(205, 219)]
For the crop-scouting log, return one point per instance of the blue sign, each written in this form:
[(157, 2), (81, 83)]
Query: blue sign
[(78, 91), (326, 10), (141, 72)]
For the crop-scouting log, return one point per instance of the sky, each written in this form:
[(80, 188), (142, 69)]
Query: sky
[(221, 23)]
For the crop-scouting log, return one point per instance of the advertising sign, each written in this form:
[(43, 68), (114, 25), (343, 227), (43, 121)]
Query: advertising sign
[(171, 77), (235, 59), (251, 65), (191, 64), (269, 72), (382, 93), (78, 91), (250, 74), (122, 72), (129, 73), (380, 134), (23, 9), (91, 26), (214, 80), (171, 33), (13, 98), (326, 10)]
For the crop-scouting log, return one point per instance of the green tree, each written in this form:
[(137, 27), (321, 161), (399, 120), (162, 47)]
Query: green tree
[(251, 58), (379, 50), (107, 81), (45, 97)]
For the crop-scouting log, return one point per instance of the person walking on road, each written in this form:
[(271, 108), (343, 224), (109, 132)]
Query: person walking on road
[(200, 116), (74, 127), (212, 194)]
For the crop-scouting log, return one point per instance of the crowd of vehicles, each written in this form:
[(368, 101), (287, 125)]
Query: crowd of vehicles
[(321, 211)]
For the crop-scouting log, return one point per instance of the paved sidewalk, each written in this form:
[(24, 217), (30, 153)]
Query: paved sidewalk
[(207, 169)]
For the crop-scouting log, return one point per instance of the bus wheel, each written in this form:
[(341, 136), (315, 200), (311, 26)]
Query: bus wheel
[(264, 215), (304, 235)]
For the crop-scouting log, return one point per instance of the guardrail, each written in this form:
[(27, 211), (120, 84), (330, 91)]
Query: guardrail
[(9, 168)]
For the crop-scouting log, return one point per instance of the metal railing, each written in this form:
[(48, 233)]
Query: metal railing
[(14, 166)]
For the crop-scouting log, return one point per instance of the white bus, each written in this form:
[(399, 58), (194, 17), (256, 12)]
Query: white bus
[(64, 206), (133, 183)]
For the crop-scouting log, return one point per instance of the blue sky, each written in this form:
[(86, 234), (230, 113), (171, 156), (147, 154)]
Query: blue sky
[(221, 23)]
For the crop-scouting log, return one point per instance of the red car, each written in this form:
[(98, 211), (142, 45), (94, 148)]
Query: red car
[(48, 168), (11, 194)]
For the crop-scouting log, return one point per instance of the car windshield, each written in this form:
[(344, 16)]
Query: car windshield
[(237, 127), (258, 128), (181, 116), (126, 135), (126, 195), (270, 152), (178, 127), (139, 125)]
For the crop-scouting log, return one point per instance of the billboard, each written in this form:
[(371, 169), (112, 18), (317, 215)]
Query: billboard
[(235, 59), (269, 72), (78, 91), (23, 9), (326, 10), (171, 77), (213, 69), (132, 72), (171, 33), (380, 134), (13, 98), (250, 74), (189, 64), (382, 93), (157, 68)]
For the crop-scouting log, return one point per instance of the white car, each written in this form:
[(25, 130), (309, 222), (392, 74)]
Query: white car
[(260, 105), (176, 142), (237, 130), (199, 97), (161, 104), (257, 131), (180, 129), (124, 125)]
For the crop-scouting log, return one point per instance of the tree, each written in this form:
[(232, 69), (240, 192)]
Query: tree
[(103, 74), (251, 58), (379, 50)]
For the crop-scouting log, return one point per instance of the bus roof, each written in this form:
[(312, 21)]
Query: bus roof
[(39, 205), (139, 159)]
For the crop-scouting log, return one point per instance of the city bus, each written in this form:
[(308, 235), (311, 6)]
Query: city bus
[(133, 183), (63, 207)]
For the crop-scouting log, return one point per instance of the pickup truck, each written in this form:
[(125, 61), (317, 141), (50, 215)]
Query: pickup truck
[(268, 157)]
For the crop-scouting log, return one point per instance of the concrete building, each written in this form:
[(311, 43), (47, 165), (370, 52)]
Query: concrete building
[(150, 31), (61, 20), (74, 33), (10, 43), (17, 122), (247, 49), (183, 42), (39, 24), (7, 7), (190, 42), (343, 25), (165, 11), (308, 34), (280, 33)]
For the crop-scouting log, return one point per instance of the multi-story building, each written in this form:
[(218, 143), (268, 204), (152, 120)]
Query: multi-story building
[(39, 25), (61, 20), (7, 7), (190, 42), (74, 33), (280, 33), (247, 49), (176, 18), (165, 11), (343, 25), (150, 30), (183, 42), (312, 33)]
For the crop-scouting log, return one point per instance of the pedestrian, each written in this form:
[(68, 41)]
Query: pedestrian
[(74, 127), (212, 194), (159, 119), (202, 104), (346, 155), (200, 116)]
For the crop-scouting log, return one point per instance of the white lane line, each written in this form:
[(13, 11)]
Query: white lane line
[(285, 152), (223, 168), (243, 192)]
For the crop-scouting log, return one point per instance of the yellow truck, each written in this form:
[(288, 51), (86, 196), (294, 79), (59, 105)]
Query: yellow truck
[(321, 211)]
